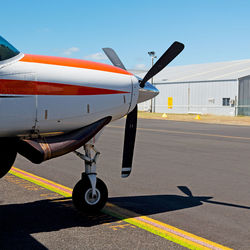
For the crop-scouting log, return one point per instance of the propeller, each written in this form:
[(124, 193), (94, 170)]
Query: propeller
[(173, 51), (131, 123), (113, 57), (129, 142), (131, 120)]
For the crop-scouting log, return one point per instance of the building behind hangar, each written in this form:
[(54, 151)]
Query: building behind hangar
[(215, 88)]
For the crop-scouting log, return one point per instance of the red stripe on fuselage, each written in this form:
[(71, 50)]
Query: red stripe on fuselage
[(21, 87), (75, 63)]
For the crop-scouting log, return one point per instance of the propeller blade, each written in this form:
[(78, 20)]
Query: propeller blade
[(129, 142), (131, 122), (173, 51), (113, 57)]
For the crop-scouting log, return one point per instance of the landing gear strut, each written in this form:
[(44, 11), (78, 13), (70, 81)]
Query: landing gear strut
[(90, 194)]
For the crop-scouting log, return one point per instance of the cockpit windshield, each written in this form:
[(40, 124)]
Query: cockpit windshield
[(7, 51)]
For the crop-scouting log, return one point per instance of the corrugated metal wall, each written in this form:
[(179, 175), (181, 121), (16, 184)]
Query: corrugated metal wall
[(208, 97), (179, 94), (244, 96)]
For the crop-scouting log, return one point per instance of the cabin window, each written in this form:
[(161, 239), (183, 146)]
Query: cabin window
[(7, 51)]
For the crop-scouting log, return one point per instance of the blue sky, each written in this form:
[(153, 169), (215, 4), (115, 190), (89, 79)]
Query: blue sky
[(212, 30)]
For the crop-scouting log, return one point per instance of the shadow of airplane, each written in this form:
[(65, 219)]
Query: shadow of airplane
[(19, 221)]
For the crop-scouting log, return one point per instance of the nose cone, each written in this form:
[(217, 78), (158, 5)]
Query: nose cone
[(148, 92)]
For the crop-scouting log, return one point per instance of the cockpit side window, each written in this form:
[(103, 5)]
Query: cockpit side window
[(7, 51)]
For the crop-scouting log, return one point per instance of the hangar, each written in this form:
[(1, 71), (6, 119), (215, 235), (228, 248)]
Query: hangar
[(221, 88)]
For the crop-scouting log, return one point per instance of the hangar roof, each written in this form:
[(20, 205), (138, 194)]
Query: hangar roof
[(203, 72)]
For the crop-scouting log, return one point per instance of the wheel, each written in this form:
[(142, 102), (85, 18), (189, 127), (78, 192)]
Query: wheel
[(82, 195)]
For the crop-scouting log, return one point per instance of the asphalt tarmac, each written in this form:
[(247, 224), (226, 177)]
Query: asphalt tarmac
[(193, 176)]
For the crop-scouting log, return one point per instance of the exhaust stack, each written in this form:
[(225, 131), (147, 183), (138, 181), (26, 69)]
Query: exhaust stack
[(45, 148)]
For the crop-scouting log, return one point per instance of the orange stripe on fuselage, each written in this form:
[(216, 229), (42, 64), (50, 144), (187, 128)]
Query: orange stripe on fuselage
[(75, 63), (20, 87)]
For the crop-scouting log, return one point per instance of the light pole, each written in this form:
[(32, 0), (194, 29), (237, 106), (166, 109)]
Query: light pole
[(153, 56)]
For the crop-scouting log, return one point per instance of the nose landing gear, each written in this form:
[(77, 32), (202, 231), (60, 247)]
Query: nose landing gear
[(90, 194), (83, 197)]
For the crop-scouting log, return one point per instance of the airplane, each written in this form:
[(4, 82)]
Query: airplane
[(51, 106)]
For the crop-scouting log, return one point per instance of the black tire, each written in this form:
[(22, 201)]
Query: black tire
[(81, 196), (8, 155)]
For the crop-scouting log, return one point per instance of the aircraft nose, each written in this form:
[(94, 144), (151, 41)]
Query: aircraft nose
[(147, 92)]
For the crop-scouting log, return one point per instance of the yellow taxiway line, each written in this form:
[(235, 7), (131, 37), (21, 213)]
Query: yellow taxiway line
[(164, 230)]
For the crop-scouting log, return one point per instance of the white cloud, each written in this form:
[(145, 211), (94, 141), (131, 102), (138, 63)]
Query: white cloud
[(45, 29), (97, 56), (70, 51), (141, 66)]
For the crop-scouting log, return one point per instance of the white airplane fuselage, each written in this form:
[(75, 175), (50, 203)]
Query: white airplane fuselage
[(42, 94), (51, 106)]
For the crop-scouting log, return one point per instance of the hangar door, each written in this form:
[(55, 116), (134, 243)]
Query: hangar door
[(244, 96)]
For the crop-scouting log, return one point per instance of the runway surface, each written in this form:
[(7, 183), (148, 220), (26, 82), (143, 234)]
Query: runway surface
[(195, 177)]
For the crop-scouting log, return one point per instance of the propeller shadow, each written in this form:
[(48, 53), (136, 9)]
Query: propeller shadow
[(153, 204), (19, 221)]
